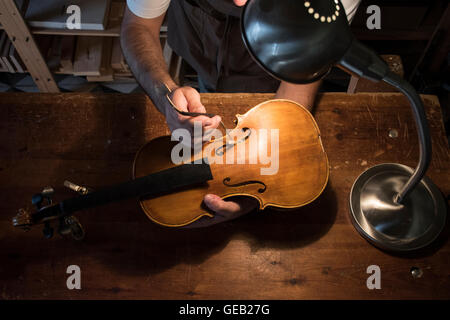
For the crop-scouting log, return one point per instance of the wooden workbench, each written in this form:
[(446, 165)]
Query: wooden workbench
[(310, 253)]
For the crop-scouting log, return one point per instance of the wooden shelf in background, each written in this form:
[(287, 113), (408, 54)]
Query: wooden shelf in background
[(113, 31), (421, 34)]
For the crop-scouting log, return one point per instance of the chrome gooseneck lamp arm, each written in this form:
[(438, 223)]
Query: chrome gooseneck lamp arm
[(393, 206), (355, 61), (422, 131)]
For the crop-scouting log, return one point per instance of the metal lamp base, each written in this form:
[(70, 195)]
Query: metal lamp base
[(388, 225)]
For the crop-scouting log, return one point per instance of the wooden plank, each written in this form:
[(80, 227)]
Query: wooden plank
[(309, 253), (50, 48), (3, 37), (88, 56), (25, 45), (3, 67), (44, 44), (106, 71), (4, 54), (21, 5), (107, 77), (53, 13), (112, 29), (67, 53), (116, 12), (422, 34), (15, 59), (110, 32), (118, 62), (54, 55)]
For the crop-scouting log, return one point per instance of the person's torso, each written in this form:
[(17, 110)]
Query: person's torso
[(206, 33)]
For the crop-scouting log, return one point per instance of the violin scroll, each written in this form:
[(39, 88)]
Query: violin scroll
[(46, 212), (23, 219)]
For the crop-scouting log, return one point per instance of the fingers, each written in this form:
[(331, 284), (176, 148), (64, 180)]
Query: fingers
[(188, 99), (179, 100), (224, 210), (230, 208), (203, 120), (216, 204), (212, 123), (239, 3), (193, 98)]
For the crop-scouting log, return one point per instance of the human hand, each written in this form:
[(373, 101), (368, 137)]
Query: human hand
[(240, 3), (188, 99), (224, 210)]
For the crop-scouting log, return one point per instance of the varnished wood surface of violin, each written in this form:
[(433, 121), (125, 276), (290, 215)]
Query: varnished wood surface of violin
[(296, 174)]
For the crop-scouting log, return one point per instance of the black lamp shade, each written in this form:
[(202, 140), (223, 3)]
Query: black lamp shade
[(296, 41)]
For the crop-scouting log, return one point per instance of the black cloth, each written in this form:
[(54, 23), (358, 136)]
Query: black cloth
[(206, 33)]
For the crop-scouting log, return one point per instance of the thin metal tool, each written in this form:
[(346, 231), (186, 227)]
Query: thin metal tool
[(193, 114)]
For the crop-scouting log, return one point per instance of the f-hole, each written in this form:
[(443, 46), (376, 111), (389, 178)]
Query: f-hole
[(227, 180)]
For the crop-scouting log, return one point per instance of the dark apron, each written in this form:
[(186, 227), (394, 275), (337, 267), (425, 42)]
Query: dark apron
[(206, 33)]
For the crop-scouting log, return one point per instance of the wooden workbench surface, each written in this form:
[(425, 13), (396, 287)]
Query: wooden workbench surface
[(310, 253)]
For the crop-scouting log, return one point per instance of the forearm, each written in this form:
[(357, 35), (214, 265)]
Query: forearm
[(143, 53), (303, 94)]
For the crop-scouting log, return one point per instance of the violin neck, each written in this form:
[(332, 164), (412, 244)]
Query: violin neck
[(154, 184)]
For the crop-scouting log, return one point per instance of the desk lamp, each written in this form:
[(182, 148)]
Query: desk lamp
[(393, 206)]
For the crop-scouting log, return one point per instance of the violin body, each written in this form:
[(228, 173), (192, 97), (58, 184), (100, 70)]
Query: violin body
[(299, 177)]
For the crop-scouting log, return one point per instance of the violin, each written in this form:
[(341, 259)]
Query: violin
[(274, 155)]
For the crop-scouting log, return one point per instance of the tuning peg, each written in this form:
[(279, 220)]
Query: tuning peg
[(71, 226), (47, 192), (37, 199), (48, 231), (22, 219), (80, 189)]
